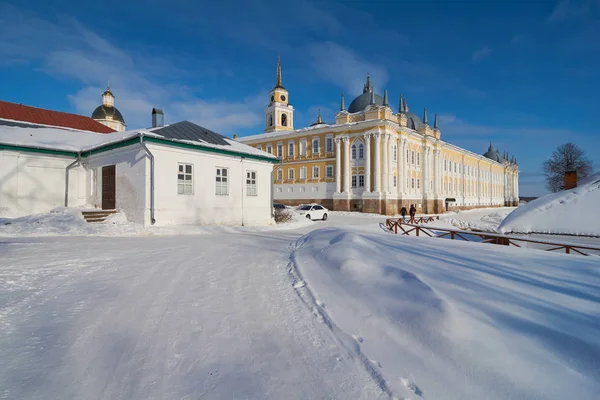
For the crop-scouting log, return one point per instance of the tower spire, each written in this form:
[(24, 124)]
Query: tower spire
[(385, 98), (108, 85), (405, 104), (400, 105), (342, 105), (279, 84), (368, 87), (435, 122), (319, 120), (425, 115)]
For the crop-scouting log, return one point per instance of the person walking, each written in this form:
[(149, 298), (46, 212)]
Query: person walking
[(403, 213), (412, 212)]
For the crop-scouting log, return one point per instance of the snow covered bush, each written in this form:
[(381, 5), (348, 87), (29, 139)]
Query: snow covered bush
[(282, 215)]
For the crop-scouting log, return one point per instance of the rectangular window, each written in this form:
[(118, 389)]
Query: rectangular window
[(302, 172), (412, 183), (222, 180), (418, 183), (361, 181), (418, 158), (412, 157), (291, 174), (354, 181), (407, 159), (269, 149), (279, 174), (361, 151), (445, 165), (303, 147), (315, 172), (454, 167), (329, 145), (315, 146), (279, 150), (395, 181), (329, 171), (185, 183), (395, 153), (291, 149), (259, 147), (251, 189)]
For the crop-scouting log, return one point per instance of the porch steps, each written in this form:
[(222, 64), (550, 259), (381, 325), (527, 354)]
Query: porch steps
[(97, 216)]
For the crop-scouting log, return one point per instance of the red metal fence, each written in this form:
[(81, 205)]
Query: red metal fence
[(406, 228)]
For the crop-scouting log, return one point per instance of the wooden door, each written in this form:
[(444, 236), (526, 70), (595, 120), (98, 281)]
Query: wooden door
[(108, 188)]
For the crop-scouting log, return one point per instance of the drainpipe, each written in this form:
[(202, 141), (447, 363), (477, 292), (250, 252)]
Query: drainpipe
[(242, 190), (273, 185), (72, 165), (152, 220)]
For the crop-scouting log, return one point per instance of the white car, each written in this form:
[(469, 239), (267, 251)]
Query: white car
[(313, 211)]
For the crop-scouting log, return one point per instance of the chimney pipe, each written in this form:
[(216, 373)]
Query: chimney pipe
[(158, 118), (570, 179), (235, 136)]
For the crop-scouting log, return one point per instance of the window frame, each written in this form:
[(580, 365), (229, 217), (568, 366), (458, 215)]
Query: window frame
[(361, 151), (318, 174), (251, 188), (183, 183), (291, 148), (328, 168), (291, 173), (329, 144), (302, 173), (318, 147), (224, 178), (361, 180)]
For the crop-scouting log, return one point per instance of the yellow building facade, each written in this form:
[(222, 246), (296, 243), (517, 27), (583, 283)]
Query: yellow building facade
[(376, 160)]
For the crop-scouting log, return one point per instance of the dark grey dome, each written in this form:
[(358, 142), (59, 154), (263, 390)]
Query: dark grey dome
[(493, 155), (363, 101), (412, 120), (107, 112)]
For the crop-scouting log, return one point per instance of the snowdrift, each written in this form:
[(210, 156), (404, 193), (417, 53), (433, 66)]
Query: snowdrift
[(571, 212), (440, 319)]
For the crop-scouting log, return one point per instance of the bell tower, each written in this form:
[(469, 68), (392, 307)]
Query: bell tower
[(279, 114)]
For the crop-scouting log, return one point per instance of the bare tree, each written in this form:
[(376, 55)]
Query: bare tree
[(566, 157)]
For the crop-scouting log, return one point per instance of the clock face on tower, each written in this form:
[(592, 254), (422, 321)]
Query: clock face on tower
[(282, 97)]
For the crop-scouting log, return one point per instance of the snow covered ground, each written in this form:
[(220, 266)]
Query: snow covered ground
[(569, 212), (327, 310)]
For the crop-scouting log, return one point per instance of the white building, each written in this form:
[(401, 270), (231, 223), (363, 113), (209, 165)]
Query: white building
[(176, 174)]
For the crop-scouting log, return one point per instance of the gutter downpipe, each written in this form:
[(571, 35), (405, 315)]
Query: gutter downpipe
[(72, 165), (273, 185), (243, 178), (152, 220)]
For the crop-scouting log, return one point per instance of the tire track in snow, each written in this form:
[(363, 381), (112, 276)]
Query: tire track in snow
[(342, 338)]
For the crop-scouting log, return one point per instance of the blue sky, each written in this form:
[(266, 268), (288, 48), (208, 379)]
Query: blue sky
[(522, 75)]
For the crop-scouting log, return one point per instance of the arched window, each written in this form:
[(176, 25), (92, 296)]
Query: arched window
[(354, 152), (361, 151), (270, 120), (284, 120)]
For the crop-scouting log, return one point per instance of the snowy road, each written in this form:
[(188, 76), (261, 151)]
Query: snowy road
[(346, 312), (209, 316)]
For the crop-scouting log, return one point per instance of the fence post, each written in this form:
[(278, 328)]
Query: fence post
[(396, 227), (418, 231), (452, 235), (568, 249)]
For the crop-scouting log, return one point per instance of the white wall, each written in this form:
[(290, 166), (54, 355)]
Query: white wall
[(305, 191), (35, 183), (132, 181), (204, 206)]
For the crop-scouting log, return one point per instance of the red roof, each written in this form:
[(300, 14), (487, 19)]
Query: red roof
[(19, 112)]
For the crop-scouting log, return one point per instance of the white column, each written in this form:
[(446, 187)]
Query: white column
[(404, 165), (377, 162), (423, 171), (398, 166), (338, 165), (436, 172), (368, 162), (385, 176), (347, 164)]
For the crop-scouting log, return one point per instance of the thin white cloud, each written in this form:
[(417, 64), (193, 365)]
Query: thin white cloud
[(566, 9), (70, 50), (346, 68), (517, 40), (481, 53)]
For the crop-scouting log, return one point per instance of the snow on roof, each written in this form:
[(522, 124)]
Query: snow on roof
[(65, 139), (570, 212)]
